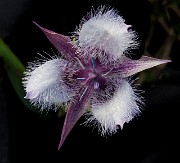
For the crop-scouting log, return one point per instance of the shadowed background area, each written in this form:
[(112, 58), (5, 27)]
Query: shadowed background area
[(27, 137)]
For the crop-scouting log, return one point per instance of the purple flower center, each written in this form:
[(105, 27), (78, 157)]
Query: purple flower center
[(93, 71)]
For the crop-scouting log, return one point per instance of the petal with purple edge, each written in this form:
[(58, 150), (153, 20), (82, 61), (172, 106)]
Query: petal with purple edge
[(61, 43), (114, 112), (75, 111), (44, 84), (130, 67), (106, 30)]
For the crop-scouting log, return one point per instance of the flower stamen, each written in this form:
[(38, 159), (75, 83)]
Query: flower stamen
[(105, 74), (96, 85), (80, 63), (93, 62), (80, 78), (83, 93)]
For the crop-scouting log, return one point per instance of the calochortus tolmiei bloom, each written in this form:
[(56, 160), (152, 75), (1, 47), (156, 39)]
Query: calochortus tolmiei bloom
[(91, 75)]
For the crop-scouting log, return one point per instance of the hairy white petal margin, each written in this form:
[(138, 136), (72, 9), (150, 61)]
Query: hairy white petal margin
[(106, 31), (44, 85), (111, 114)]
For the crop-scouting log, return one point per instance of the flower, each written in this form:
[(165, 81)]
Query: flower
[(92, 75)]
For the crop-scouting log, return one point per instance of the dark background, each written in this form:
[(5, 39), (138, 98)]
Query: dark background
[(26, 137)]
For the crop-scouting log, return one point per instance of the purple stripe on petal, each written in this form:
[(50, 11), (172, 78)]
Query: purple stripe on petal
[(61, 43), (131, 67), (75, 111)]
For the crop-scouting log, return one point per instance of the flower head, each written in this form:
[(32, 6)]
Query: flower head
[(92, 74)]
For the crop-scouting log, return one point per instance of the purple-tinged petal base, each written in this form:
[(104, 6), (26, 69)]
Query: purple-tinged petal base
[(44, 84), (111, 114)]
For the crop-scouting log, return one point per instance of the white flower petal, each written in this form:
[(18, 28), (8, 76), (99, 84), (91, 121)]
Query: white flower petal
[(121, 108), (44, 85), (107, 31)]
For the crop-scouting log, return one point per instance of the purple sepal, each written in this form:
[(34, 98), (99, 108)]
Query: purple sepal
[(130, 67), (60, 42), (76, 109)]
